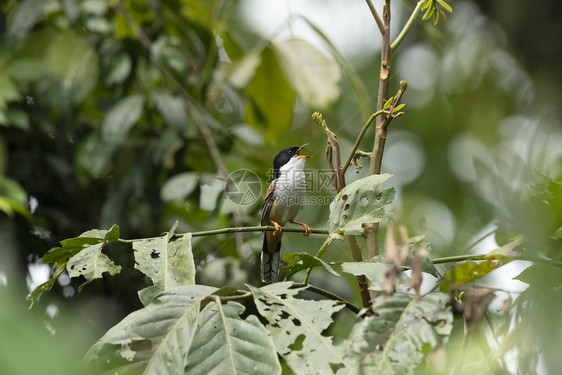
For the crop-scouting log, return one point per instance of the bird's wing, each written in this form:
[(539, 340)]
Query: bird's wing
[(268, 203)]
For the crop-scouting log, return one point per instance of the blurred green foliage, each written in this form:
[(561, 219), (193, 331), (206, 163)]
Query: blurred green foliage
[(103, 106)]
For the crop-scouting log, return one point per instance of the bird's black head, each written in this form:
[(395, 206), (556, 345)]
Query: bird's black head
[(284, 156)]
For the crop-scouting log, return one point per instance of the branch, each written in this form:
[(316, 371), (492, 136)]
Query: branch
[(362, 283), (407, 26), (253, 229)]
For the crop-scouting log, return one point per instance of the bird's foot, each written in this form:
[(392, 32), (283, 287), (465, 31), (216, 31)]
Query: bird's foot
[(277, 230), (307, 229)]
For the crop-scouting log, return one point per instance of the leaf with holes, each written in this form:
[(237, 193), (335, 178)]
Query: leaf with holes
[(91, 263), (362, 201), (294, 321), (73, 246), (168, 263), (398, 337), (301, 261), (80, 256)]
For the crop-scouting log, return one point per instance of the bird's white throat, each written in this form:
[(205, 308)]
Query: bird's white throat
[(292, 178)]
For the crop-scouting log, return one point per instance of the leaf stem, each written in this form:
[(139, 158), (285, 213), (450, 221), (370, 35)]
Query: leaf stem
[(400, 38), (320, 252)]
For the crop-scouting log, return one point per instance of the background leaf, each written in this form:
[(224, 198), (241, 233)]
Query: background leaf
[(121, 118), (313, 74), (179, 186), (272, 97)]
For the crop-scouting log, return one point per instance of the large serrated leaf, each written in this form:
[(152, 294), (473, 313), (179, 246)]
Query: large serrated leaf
[(396, 339), (168, 264), (362, 201), (291, 318), (313, 74), (154, 339), (226, 344)]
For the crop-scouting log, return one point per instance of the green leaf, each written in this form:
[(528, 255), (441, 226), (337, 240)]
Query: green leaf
[(154, 339), (168, 264), (396, 339), (172, 108), (271, 96), (91, 263), (445, 6), (301, 261), (121, 118), (290, 319), (388, 103), (398, 108), (470, 271), (72, 246), (373, 270), (27, 13), (179, 186), (73, 64), (226, 344), (93, 155), (362, 201), (313, 74), (47, 285)]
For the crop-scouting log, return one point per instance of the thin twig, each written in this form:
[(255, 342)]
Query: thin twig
[(400, 38), (320, 252), (376, 16), (335, 150), (359, 138)]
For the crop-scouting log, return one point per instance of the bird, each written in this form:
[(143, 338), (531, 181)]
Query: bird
[(282, 203)]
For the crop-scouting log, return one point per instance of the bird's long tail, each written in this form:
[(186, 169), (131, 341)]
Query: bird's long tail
[(270, 262)]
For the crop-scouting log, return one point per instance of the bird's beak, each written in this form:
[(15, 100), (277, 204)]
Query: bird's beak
[(298, 153)]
